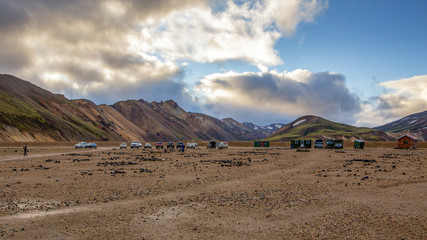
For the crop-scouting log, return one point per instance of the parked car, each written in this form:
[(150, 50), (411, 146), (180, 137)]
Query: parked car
[(330, 143), (318, 143), (170, 145), (339, 144), (159, 145), (135, 144), (223, 145), (123, 145), (191, 145), (92, 145), (147, 145), (81, 145)]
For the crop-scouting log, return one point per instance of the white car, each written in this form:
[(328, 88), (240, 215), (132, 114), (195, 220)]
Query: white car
[(81, 145), (147, 145), (123, 145), (191, 145), (135, 144)]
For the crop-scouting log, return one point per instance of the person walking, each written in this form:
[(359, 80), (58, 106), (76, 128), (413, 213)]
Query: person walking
[(25, 150)]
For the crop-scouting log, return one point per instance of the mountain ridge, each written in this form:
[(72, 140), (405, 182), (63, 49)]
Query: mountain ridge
[(316, 127), (30, 113), (415, 124)]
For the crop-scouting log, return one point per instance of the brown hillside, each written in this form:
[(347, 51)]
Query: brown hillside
[(30, 113)]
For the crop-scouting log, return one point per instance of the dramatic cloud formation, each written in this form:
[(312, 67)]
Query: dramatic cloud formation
[(402, 97), (114, 50), (295, 93)]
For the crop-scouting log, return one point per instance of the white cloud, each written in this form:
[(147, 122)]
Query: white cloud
[(243, 32), (402, 97)]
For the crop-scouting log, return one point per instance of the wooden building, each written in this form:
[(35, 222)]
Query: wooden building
[(407, 141)]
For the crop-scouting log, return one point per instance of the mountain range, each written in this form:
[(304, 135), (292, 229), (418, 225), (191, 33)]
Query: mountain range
[(30, 113), (415, 124)]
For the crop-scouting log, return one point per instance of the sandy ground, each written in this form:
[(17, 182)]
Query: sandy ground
[(238, 193)]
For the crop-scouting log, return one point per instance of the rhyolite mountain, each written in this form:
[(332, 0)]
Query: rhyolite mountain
[(415, 124), (30, 113), (315, 127)]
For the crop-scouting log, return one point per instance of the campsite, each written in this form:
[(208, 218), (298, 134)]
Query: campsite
[(243, 192)]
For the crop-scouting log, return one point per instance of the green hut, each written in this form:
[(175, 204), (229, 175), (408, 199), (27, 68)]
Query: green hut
[(359, 144), (261, 143), (300, 143)]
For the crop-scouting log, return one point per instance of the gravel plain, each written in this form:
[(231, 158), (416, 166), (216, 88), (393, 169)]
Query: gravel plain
[(236, 193)]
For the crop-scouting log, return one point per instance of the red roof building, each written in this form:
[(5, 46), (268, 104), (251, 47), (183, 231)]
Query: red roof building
[(407, 141)]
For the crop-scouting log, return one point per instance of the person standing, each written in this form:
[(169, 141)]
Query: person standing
[(25, 150)]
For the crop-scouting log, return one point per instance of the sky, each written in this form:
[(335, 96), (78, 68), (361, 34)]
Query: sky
[(358, 62)]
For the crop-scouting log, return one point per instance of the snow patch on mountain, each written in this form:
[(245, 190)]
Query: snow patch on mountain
[(299, 122)]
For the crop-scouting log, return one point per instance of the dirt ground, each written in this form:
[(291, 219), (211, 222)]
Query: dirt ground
[(237, 193)]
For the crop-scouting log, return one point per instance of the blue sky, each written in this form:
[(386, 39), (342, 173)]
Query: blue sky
[(367, 41), (263, 61)]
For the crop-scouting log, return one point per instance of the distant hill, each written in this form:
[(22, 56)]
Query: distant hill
[(319, 128), (30, 113), (264, 130), (416, 124)]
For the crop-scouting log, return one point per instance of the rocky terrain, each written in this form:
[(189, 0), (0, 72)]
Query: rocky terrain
[(238, 193)]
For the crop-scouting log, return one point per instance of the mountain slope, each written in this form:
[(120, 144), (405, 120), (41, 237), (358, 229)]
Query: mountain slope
[(317, 127), (415, 124), (166, 121), (30, 113)]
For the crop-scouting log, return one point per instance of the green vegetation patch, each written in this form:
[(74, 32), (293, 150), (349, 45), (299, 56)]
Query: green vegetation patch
[(88, 127)]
